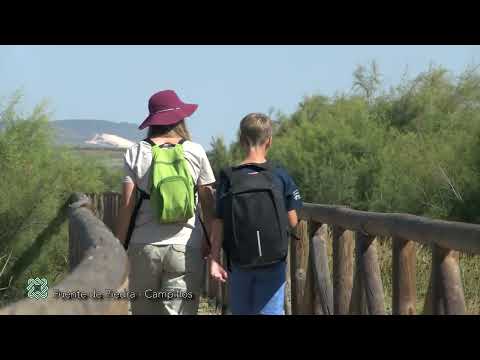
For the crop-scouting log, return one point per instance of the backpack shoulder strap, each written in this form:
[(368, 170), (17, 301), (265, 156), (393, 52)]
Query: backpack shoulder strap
[(142, 196), (148, 140), (228, 172), (262, 166)]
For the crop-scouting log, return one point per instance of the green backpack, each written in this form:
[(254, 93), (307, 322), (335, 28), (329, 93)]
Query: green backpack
[(173, 191)]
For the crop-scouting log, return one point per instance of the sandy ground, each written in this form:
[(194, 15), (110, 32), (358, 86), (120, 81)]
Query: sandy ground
[(205, 307)]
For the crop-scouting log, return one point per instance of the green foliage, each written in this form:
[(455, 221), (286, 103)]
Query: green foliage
[(219, 156), (411, 149), (36, 180)]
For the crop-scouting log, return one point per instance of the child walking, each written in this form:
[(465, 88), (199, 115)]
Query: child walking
[(257, 202)]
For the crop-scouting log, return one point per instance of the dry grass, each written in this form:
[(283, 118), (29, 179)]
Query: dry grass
[(470, 270), (207, 307), (469, 266), (111, 158)]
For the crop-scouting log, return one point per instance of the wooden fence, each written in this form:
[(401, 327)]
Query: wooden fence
[(354, 285), (106, 207), (97, 260)]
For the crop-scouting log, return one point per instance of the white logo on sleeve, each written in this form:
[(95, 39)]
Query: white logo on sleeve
[(296, 195)]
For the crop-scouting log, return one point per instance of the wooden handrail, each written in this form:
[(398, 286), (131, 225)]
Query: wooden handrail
[(445, 238), (458, 236), (98, 262)]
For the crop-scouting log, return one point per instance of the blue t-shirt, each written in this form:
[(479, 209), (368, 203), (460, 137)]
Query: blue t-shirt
[(291, 194)]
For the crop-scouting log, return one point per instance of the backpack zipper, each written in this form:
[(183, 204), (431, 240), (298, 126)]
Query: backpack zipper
[(258, 242)]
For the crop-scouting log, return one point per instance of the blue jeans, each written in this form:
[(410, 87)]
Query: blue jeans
[(258, 291)]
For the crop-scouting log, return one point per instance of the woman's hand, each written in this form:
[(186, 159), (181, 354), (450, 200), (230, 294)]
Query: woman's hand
[(217, 272)]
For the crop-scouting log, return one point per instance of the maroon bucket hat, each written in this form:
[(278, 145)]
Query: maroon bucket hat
[(166, 108)]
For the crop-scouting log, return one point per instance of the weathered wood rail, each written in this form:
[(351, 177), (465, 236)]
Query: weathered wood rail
[(353, 286), (97, 260), (357, 284)]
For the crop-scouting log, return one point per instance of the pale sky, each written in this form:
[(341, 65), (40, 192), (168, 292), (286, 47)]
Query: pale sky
[(114, 82)]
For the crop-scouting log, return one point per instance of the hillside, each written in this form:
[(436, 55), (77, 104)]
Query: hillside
[(110, 140), (88, 132)]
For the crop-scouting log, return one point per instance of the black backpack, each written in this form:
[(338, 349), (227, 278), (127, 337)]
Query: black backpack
[(254, 216)]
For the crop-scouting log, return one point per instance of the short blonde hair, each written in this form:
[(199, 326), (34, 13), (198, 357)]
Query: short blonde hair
[(255, 129)]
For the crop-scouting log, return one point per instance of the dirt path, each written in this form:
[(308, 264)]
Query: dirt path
[(205, 307)]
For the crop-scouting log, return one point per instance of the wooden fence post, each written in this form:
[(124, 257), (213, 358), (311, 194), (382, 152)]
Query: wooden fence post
[(319, 255), (302, 293), (293, 273), (311, 276), (404, 297), (358, 303), (309, 294), (110, 210), (370, 272), (106, 210), (447, 289), (342, 269), (288, 281), (428, 304)]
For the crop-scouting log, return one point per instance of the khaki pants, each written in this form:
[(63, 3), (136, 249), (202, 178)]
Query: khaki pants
[(167, 279)]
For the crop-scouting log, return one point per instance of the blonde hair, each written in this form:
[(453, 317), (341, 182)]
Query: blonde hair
[(179, 129), (255, 129)]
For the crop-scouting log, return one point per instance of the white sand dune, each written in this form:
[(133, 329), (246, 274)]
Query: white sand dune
[(109, 140)]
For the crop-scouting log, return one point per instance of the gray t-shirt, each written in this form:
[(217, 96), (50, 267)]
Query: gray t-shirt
[(137, 165)]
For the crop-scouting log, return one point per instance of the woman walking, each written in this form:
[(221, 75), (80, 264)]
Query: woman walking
[(165, 176)]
